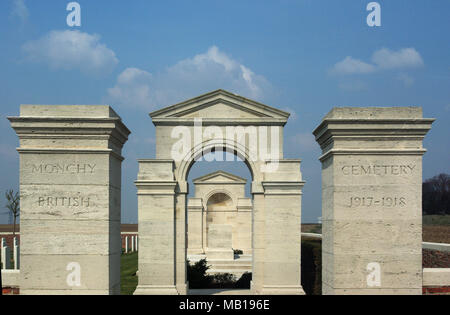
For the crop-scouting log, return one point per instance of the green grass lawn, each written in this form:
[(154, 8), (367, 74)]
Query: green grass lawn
[(436, 220), (128, 277)]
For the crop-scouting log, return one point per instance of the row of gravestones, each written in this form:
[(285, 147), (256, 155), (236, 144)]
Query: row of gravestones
[(130, 244), (70, 184), (8, 255)]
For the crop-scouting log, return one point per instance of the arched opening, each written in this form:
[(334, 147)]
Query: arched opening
[(219, 217), (216, 148), (219, 202)]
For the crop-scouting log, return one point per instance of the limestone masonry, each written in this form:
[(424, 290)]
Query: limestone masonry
[(70, 193), (70, 185), (372, 200)]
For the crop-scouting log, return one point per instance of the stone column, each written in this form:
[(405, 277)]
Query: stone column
[(181, 238), (70, 185), (372, 200), (195, 226), (244, 226), (258, 238), (282, 251), (156, 204)]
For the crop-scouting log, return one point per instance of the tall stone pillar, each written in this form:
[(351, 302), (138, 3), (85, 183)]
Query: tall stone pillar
[(372, 200), (282, 232), (70, 186), (181, 240), (258, 238), (195, 226), (157, 231)]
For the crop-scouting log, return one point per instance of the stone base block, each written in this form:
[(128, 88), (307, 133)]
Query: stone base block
[(282, 290), (195, 251), (69, 292), (156, 290), (383, 291), (219, 254)]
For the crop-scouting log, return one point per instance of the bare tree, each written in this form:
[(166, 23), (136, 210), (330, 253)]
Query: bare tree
[(436, 195), (13, 205)]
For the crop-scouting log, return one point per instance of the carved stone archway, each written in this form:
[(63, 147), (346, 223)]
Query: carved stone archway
[(229, 123)]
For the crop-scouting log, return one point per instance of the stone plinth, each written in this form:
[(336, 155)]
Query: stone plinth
[(220, 242), (70, 186), (281, 245), (195, 224), (371, 200), (156, 200)]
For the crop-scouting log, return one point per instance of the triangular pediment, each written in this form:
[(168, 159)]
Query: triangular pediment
[(219, 177), (220, 104)]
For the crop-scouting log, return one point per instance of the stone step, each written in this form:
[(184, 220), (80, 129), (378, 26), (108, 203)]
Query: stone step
[(219, 292), (231, 267), (237, 272), (234, 262)]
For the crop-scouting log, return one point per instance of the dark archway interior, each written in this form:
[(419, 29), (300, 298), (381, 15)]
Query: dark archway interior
[(216, 205), (219, 201)]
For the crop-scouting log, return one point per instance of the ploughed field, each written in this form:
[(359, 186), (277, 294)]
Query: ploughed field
[(435, 259), (436, 228)]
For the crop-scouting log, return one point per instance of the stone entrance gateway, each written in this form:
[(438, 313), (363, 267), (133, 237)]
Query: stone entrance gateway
[(219, 121)]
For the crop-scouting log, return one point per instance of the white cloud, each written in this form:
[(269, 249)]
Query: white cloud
[(350, 66), (132, 88), (404, 58), (72, 49), (382, 59), (189, 77), (20, 10)]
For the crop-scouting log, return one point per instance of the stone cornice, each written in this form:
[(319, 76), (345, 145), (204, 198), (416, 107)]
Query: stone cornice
[(283, 188), (69, 151), (146, 187), (371, 129), (220, 122), (201, 101), (233, 179), (68, 127), (396, 152)]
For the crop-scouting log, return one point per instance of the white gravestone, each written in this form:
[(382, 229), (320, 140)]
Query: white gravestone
[(6, 255), (126, 245)]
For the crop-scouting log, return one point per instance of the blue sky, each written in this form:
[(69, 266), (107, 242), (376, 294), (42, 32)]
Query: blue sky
[(300, 56)]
